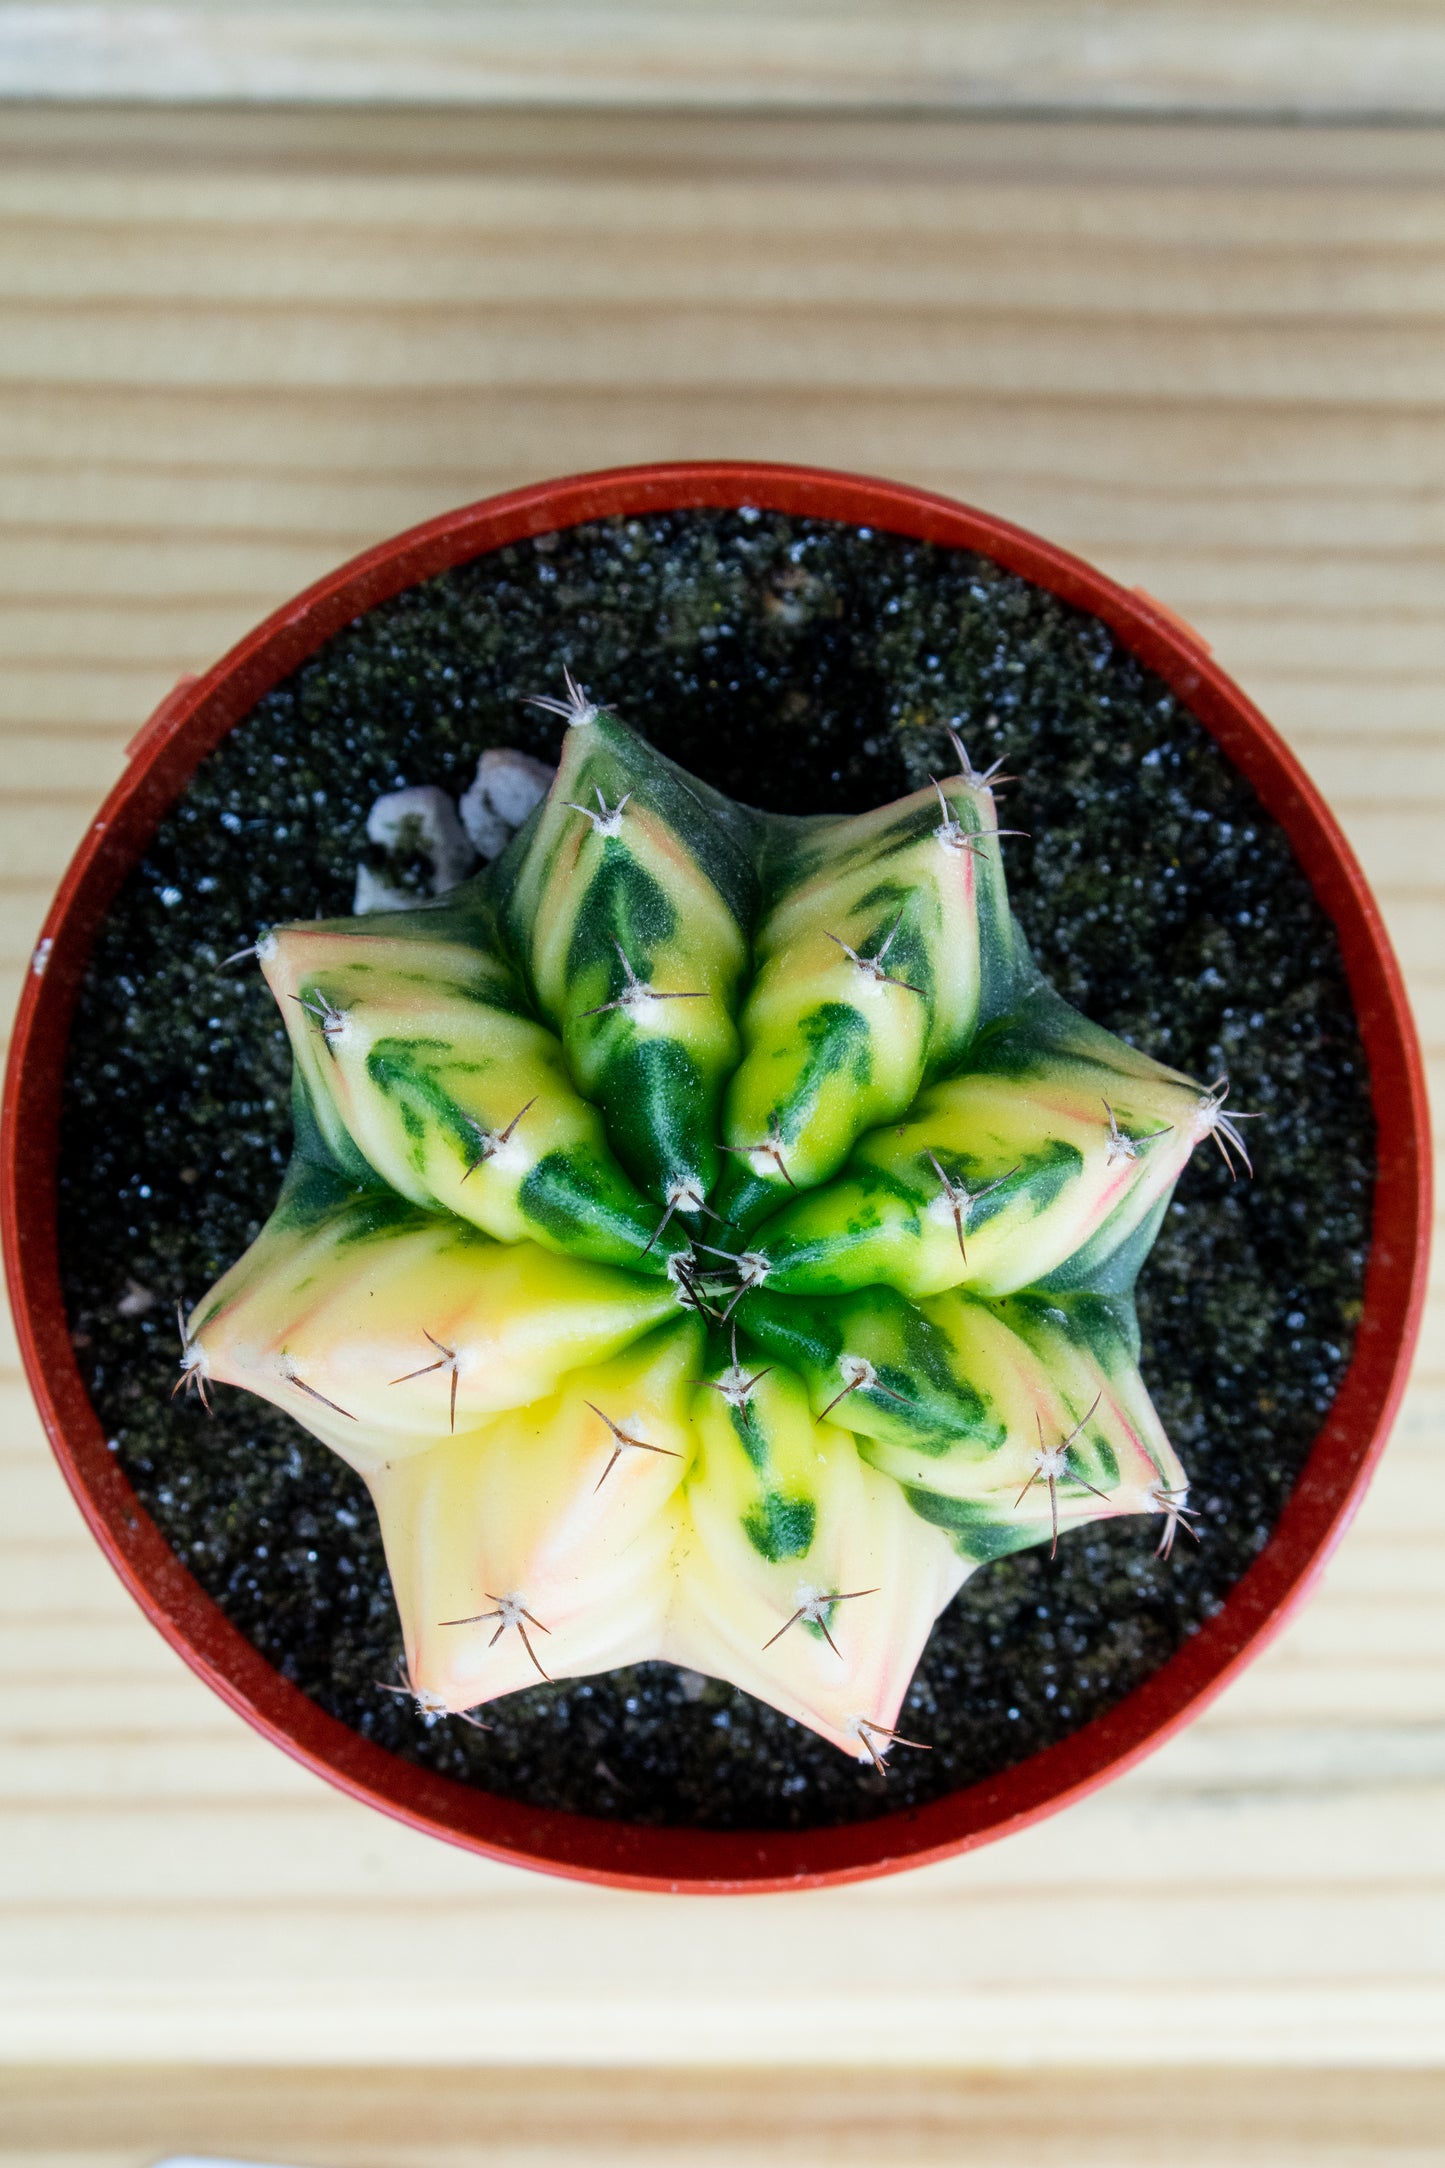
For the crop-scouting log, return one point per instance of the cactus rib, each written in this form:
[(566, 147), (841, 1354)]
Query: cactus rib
[(909, 1347)]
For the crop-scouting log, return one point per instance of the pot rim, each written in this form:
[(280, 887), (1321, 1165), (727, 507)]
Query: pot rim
[(161, 758)]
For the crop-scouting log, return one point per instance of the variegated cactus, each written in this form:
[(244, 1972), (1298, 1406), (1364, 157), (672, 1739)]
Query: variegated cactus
[(710, 1238)]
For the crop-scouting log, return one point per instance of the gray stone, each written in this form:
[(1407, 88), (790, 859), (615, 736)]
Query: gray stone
[(407, 825), (508, 785)]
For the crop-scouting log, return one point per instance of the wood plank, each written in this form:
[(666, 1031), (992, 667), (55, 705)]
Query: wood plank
[(463, 255), (1236, 452), (264, 144), (1376, 364), (1279, 60), (563, 2118), (360, 1982)]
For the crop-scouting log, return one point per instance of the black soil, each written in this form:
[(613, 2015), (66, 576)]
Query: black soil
[(808, 668)]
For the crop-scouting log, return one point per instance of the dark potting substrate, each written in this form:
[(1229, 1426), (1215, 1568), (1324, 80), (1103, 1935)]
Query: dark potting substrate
[(808, 668)]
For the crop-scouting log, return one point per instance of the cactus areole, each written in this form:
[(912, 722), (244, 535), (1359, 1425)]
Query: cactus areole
[(711, 1238)]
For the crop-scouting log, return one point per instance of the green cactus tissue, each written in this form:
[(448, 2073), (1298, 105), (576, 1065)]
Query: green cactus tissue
[(710, 1238)]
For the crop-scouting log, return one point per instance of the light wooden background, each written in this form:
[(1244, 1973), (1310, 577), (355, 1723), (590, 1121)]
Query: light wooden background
[(234, 349), (1275, 59)]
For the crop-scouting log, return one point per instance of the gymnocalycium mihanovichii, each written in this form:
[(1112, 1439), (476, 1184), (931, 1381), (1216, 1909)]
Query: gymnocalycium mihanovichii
[(710, 1238)]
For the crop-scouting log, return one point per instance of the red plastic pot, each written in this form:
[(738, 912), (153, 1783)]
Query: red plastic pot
[(193, 720)]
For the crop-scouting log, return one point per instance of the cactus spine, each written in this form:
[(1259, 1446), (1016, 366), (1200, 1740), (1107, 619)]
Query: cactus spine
[(710, 1239)]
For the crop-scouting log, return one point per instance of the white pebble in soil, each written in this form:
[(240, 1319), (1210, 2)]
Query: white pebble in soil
[(420, 822), (508, 785), (136, 1300)]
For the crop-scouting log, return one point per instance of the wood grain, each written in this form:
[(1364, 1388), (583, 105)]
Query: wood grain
[(732, 2119), (1280, 58), (236, 347)]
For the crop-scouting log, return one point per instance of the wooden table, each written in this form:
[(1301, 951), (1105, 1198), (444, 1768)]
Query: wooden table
[(237, 347)]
